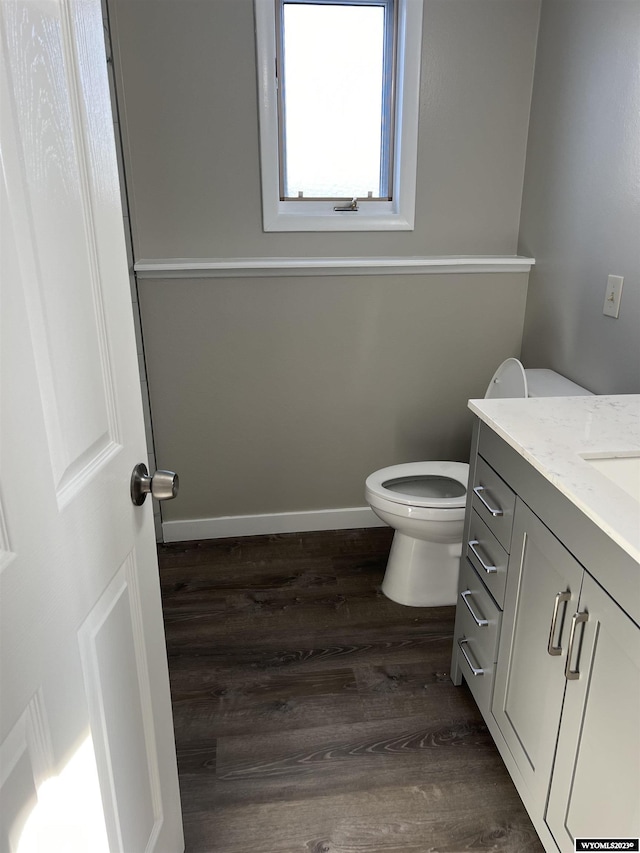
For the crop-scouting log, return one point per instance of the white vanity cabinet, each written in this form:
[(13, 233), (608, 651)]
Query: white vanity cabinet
[(568, 674), (561, 696)]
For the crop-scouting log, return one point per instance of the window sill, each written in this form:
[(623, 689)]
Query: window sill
[(357, 220)]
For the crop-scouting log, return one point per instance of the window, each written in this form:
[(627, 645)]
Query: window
[(335, 87), (338, 84)]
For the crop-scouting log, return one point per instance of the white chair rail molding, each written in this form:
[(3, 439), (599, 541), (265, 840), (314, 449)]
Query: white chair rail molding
[(229, 267)]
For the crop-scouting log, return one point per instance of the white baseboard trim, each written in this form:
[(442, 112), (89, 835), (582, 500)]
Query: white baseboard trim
[(279, 522)]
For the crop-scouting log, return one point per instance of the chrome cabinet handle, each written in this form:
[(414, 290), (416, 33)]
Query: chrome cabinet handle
[(163, 485), (573, 674), (480, 622), (475, 670), (560, 597), (476, 553), (494, 510)]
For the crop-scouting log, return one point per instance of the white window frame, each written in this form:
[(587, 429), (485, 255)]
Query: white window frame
[(395, 215)]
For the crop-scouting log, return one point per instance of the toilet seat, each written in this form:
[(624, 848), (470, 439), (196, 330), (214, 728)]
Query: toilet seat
[(422, 478), (509, 380)]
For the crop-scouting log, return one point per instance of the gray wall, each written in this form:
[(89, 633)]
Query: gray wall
[(278, 395), (581, 207), (275, 395)]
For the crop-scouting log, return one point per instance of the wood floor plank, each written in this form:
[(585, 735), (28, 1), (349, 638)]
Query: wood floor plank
[(195, 761), (310, 622), (260, 616), (228, 702), (335, 652), (327, 749), (177, 583), (404, 690), (422, 818), (243, 551), (316, 762)]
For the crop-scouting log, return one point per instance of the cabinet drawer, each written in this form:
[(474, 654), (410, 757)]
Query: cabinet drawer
[(488, 557), (494, 502), (477, 633)]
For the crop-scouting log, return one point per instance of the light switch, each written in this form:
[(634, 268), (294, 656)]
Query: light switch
[(613, 295)]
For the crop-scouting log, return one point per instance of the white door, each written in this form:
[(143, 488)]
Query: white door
[(87, 756)]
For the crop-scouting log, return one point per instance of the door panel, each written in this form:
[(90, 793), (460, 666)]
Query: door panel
[(25, 762), (114, 665), (596, 775), (530, 682), (55, 175)]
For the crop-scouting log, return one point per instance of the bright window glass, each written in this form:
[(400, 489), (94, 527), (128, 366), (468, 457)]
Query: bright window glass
[(335, 101)]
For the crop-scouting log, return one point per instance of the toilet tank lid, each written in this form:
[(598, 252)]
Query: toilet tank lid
[(548, 383)]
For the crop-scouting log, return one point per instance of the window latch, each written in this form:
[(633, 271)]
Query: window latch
[(352, 207)]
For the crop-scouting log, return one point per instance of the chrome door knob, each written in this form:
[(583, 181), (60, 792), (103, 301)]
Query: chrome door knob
[(163, 485)]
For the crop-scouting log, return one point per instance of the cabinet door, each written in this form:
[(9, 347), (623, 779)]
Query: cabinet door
[(543, 579), (595, 790)]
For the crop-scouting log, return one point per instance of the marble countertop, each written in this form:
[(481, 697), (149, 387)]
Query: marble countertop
[(557, 435)]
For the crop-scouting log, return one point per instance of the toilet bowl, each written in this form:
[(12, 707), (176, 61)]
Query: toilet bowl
[(425, 502)]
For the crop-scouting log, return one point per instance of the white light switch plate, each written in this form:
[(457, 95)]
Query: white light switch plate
[(613, 295)]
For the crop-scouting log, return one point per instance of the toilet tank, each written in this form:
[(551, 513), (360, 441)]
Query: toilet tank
[(512, 380), (548, 383)]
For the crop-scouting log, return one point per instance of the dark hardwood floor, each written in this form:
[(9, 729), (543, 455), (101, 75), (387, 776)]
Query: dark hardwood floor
[(313, 715)]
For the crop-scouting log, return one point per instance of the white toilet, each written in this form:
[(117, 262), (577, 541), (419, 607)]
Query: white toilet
[(425, 502)]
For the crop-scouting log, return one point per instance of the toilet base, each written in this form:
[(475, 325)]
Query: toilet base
[(422, 574)]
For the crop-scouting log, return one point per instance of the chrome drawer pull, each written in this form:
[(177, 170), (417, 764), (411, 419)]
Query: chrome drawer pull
[(476, 553), (481, 623), (560, 597), (474, 669), (494, 510), (573, 674)]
